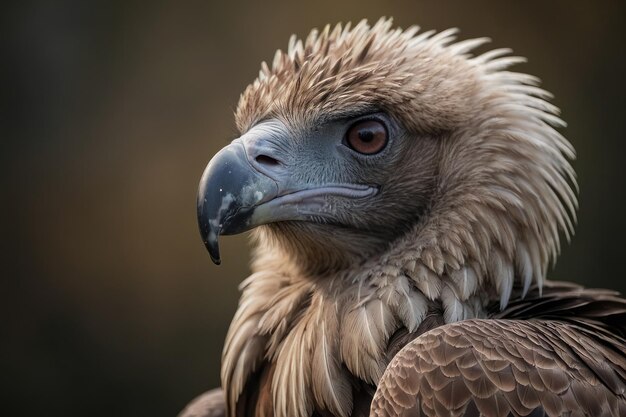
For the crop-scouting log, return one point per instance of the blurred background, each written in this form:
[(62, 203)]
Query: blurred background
[(110, 304)]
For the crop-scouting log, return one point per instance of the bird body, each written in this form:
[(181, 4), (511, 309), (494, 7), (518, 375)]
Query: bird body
[(407, 199)]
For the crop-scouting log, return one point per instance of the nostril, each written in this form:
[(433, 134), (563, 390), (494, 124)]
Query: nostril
[(266, 160)]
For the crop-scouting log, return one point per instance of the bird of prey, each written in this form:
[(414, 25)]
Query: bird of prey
[(406, 198)]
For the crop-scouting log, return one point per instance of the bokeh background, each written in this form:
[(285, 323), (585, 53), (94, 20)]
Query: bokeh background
[(110, 304)]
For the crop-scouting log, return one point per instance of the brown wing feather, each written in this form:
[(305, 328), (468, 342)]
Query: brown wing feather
[(598, 310), (505, 367), (210, 404)]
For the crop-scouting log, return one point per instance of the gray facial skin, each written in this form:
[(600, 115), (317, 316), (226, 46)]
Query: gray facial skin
[(272, 174)]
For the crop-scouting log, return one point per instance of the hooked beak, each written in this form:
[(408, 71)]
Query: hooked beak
[(238, 193), (228, 193)]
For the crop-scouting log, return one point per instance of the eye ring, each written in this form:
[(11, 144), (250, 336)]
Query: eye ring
[(367, 137)]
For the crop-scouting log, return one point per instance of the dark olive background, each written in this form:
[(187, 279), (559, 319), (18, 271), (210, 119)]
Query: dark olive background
[(110, 304)]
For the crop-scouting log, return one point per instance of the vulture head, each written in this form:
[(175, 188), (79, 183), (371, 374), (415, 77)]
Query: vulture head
[(357, 139), (387, 174)]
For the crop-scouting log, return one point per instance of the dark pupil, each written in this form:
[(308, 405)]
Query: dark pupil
[(366, 135)]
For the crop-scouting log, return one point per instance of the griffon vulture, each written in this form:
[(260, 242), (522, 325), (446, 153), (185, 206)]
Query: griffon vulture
[(406, 199)]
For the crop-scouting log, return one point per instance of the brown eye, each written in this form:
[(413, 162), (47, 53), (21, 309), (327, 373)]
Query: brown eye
[(367, 137)]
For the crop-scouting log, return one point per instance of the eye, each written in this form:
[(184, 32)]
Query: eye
[(367, 137)]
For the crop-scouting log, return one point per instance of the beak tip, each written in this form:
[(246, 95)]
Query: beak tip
[(215, 257), (214, 250)]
